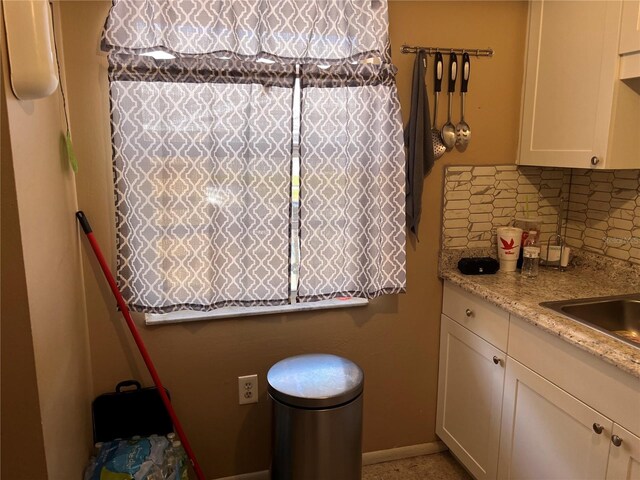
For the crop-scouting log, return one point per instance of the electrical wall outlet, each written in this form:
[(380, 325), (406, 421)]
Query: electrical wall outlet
[(248, 389)]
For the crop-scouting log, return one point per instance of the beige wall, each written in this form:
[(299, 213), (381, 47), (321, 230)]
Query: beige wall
[(47, 291), (394, 339)]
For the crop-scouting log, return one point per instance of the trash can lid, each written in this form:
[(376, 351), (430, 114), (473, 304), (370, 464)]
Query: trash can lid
[(315, 381)]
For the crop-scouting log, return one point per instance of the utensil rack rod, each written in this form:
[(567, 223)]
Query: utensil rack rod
[(474, 52)]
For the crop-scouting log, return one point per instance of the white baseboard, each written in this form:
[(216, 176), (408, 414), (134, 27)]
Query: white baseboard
[(368, 458), (263, 475)]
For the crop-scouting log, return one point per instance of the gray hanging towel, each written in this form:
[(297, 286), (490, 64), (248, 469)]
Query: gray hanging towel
[(418, 141)]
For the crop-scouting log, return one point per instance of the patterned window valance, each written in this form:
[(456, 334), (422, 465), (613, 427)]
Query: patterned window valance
[(293, 31)]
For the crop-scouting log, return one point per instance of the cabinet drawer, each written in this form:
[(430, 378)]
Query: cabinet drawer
[(481, 317)]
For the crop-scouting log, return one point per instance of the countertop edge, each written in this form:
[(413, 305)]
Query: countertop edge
[(611, 351)]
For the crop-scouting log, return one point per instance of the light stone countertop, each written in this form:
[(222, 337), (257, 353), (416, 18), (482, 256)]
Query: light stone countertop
[(595, 277)]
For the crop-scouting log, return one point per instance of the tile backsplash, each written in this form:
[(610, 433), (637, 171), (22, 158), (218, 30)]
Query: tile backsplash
[(602, 213), (477, 200)]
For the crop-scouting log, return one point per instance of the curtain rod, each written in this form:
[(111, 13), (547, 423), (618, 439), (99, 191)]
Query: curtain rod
[(474, 52)]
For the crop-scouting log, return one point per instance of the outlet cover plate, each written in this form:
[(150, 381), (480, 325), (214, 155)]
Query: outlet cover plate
[(248, 389)]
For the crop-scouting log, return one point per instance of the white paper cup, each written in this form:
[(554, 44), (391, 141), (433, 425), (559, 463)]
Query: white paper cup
[(508, 240)]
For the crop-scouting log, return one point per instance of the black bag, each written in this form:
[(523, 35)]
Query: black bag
[(126, 413)]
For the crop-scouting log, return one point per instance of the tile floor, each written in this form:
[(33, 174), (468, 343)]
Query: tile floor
[(439, 466)]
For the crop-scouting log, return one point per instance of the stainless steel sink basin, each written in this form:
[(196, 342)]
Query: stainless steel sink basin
[(616, 316)]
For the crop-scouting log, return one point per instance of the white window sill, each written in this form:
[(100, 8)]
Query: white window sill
[(231, 312)]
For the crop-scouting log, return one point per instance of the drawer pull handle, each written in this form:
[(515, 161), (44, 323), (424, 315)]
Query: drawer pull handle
[(598, 428), (468, 312), (616, 440), (496, 360), (595, 161)]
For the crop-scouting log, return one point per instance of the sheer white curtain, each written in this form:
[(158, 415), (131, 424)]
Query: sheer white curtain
[(202, 151), (352, 185), (202, 204)]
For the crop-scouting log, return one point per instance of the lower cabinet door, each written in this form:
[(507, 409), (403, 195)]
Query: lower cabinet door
[(470, 384), (547, 433), (624, 455)]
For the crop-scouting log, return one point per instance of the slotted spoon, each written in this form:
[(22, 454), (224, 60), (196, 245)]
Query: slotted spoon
[(448, 129), (463, 131), (438, 147)]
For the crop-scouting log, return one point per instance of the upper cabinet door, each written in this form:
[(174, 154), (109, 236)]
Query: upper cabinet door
[(630, 32), (571, 68), (630, 40)]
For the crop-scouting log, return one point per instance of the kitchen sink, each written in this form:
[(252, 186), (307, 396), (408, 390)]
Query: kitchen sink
[(617, 316)]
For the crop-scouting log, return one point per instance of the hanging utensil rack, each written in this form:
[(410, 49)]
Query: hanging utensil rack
[(474, 52)]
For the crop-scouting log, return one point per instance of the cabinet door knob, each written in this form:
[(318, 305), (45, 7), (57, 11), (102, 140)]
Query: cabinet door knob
[(468, 312), (497, 360), (598, 428), (595, 161), (616, 440)]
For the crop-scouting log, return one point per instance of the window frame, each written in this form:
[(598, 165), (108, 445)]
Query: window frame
[(182, 316)]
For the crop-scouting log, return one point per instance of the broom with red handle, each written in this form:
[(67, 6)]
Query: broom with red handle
[(84, 223)]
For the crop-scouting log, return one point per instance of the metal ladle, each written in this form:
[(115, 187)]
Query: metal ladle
[(448, 129), (463, 131), (438, 147)]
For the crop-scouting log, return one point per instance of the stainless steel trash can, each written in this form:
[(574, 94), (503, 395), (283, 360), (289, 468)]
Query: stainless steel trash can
[(317, 418)]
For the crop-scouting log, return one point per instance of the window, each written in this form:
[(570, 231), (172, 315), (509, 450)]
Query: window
[(247, 172)]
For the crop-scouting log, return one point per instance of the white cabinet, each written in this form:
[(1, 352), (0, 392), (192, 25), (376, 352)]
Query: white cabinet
[(473, 341), (551, 414), (576, 112), (624, 455), (602, 386), (470, 398), (547, 433), (556, 398), (630, 40), (630, 28)]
